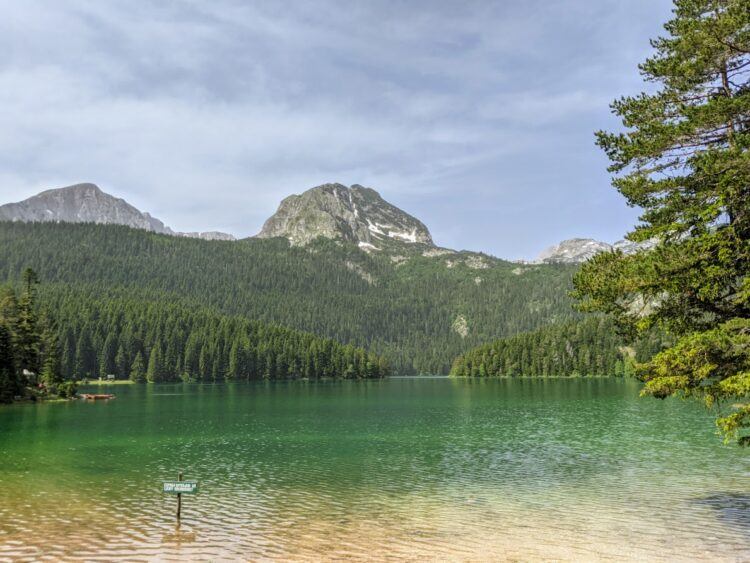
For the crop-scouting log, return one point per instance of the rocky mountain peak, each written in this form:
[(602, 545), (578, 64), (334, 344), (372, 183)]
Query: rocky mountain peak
[(87, 203), (578, 250), (355, 214), (573, 251), (80, 203)]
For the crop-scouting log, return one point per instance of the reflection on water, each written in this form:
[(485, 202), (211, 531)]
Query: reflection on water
[(404, 468)]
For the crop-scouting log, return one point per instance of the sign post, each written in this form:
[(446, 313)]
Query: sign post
[(178, 488), (179, 498)]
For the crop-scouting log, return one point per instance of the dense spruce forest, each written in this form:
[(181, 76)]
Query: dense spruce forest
[(417, 311), (74, 336), (162, 341), (590, 347)]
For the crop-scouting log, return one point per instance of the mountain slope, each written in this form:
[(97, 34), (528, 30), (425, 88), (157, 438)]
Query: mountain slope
[(335, 261), (353, 214), (419, 309), (87, 203)]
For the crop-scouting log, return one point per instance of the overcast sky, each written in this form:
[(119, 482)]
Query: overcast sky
[(477, 117)]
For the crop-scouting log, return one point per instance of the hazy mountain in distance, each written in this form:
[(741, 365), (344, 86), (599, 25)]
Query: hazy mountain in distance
[(87, 203), (578, 250), (354, 214)]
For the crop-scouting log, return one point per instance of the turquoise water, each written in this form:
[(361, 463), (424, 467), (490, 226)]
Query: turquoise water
[(400, 468)]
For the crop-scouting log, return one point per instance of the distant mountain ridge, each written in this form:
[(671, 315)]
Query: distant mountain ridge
[(354, 214), (87, 203), (80, 203), (578, 250)]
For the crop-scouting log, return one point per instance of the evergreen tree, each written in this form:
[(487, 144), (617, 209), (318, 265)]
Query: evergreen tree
[(86, 364), (68, 352), (684, 160), (138, 369), (107, 364), (121, 362), (191, 364), (235, 368), (205, 363), (10, 382), (8, 307), (172, 361), (155, 371), (51, 374), (27, 338)]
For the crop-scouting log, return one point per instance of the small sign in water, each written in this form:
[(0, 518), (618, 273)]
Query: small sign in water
[(181, 487)]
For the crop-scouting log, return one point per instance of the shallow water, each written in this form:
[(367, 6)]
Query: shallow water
[(393, 469)]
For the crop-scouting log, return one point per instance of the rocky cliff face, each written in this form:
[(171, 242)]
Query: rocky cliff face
[(578, 250), (86, 203), (355, 214)]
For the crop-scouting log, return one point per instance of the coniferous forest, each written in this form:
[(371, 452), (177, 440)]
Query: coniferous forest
[(590, 347), (73, 336), (148, 307), (159, 341), (419, 312)]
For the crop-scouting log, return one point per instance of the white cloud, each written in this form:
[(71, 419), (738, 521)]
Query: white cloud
[(208, 113)]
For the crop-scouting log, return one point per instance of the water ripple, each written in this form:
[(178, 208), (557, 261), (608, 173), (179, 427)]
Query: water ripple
[(395, 471)]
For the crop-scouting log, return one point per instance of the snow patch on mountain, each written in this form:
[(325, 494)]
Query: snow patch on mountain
[(579, 250), (354, 214)]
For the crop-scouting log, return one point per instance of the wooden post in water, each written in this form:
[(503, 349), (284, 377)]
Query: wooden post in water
[(179, 498)]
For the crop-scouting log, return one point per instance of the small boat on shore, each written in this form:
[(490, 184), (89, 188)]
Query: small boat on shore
[(96, 396)]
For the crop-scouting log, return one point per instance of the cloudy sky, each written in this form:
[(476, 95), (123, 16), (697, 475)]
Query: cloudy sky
[(475, 116)]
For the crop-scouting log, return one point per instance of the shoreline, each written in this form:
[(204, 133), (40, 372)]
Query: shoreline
[(102, 383), (127, 382)]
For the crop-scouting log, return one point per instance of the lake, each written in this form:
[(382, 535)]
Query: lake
[(414, 468)]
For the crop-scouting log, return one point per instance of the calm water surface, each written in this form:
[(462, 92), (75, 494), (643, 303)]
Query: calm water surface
[(401, 468)]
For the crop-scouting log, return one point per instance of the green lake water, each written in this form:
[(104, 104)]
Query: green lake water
[(417, 468)]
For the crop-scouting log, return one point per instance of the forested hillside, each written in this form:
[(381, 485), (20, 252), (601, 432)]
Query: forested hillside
[(75, 335), (418, 308), (159, 341), (588, 347)]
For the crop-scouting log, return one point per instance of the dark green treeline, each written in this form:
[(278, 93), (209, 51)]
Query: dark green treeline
[(71, 335), (159, 341), (591, 347)]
